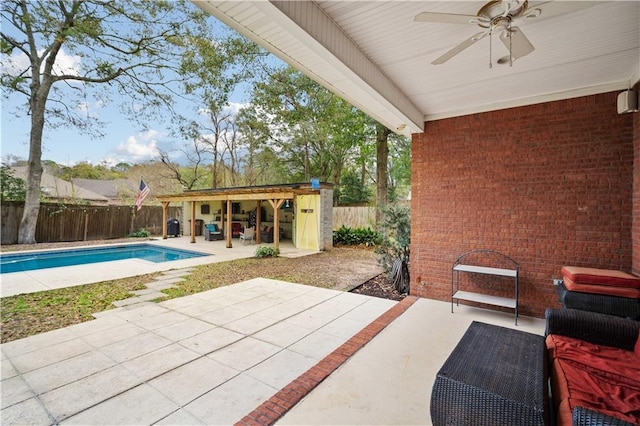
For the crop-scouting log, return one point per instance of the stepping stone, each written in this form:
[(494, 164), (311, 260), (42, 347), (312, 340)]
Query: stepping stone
[(160, 285), (127, 302), (144, 292), (152, 296), (168, 280), (101, 314), (184, 271)]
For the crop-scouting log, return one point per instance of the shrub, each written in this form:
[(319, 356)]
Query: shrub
[(267, 251), (142, 233), (394, 249), (354, 237)]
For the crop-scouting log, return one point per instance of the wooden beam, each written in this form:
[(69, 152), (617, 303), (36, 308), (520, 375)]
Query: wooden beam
[(243, 196)]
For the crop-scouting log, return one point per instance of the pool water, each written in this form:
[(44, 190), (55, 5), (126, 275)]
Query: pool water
[(53, 259)]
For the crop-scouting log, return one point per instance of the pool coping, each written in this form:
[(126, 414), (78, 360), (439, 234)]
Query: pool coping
[(101, 248)]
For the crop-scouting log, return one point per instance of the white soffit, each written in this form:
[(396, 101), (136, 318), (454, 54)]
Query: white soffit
[(301, 34), (376, 57)]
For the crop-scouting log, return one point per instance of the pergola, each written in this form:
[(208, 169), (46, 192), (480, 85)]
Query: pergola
[(275, 195)]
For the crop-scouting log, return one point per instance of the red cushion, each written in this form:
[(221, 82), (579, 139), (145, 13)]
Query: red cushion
[(631, 293), (636, 349), (601, 378), (607, 277)]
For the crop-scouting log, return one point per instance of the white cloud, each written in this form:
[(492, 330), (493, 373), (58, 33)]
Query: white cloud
[(89, 110), (235, 107), (232, 109), (65, 64), (140, 147)]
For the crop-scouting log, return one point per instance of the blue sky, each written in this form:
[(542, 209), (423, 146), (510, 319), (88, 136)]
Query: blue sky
[(124, 140)]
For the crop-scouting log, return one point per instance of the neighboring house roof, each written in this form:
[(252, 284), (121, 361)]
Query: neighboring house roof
[(112, 189), (61, 189)]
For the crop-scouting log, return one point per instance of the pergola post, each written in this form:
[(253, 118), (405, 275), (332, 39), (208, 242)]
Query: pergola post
[(258, 234), (276, 204), (193, 221), (229, 231), (165, 207)]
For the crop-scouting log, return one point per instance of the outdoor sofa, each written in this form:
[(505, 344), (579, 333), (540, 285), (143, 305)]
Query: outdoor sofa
[(588, 362), (594, 362)]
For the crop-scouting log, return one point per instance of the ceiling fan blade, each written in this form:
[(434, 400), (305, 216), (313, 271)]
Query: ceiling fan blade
[(520, 44), (445, 18), (459, 48), (555, 8)]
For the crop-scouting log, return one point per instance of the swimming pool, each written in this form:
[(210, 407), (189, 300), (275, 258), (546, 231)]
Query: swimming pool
[(53, 259)]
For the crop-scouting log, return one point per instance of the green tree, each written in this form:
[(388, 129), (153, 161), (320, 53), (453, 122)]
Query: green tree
[(399, 167), (121, 168), (352, 191), (128, 44), (313, 130), (12, 188), (382, 171), (211, 70)]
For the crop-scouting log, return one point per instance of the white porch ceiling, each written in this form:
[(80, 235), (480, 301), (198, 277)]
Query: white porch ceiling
[(375, 56)]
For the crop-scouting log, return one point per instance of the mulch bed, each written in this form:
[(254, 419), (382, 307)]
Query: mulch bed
[(379, 286)]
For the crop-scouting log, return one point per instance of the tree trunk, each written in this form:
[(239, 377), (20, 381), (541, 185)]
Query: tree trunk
[(382, 173), (27, 231)]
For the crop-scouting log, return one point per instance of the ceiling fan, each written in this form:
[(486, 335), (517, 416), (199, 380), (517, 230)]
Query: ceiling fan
[(501, 16)]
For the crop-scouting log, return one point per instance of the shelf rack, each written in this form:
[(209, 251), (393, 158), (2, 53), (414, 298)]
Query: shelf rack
[(459, 266)]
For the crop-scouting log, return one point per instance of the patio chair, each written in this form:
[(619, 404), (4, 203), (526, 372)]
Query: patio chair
[(212, 232), (247, 235)]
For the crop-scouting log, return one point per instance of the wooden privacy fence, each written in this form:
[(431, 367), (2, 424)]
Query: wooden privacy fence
[(57, 222), (354, 217)]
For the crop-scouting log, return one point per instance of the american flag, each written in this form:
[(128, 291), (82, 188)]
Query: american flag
[(142, 194)]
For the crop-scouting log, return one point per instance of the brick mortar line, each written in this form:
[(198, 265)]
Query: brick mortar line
[(286, 398)]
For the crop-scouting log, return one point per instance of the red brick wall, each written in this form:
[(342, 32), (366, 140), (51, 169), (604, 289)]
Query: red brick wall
[(636, 194), (547, 184)]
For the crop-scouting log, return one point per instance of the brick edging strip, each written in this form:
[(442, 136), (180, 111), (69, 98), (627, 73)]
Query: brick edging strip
[(278, 405)]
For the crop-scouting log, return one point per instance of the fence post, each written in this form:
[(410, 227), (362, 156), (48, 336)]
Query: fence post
[(86, 225), (133, 217)]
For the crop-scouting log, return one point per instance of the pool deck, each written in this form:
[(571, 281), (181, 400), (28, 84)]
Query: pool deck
[(256, 352), (53, 278)]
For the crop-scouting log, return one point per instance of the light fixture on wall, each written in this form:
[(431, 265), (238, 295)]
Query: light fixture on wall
[(628, 101), (286, 204)]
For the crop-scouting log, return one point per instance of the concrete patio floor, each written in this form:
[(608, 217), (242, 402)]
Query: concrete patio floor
[(52, 278), (214, 357)]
